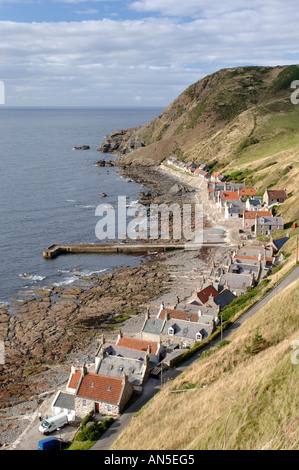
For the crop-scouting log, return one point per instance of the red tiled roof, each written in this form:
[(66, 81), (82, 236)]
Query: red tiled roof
[(254, 214), (178, 314), (138, 344), (229, 195), (277, 194), (100, 388), (247, 192), (204, 294), (247, 257), (197, 170), (75, 379)]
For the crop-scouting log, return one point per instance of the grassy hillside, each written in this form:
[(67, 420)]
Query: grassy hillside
[(239, 119), (243, 395)]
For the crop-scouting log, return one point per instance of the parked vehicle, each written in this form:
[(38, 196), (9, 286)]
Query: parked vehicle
[(51, 443), (49, 425)]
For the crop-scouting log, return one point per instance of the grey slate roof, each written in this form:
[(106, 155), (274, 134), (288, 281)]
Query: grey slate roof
[(119, 351), (244, 268), (153, 326), (280, 242), (114, 366), (236, 281), (224, 298), (254, 251), (65, 400), (269, 220), (185, 329), (195, 306), (255, 202)]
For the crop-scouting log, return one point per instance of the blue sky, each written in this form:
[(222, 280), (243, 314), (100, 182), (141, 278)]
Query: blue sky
[(134, 52)]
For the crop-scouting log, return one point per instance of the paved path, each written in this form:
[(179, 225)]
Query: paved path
[(153, 385)]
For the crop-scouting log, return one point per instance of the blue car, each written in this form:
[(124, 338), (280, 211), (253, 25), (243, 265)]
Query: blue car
[(51, 443)]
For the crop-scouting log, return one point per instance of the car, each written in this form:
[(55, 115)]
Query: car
[(51, 443)]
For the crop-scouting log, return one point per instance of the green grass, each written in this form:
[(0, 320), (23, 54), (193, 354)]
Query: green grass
[(76, 445), (89, 432), (288, 121), (285, 140)]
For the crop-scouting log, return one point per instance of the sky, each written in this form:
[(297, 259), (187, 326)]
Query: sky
[(134, 52)]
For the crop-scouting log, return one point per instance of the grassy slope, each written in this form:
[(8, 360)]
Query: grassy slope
[(236, 119), (233, 399), (240, 121)]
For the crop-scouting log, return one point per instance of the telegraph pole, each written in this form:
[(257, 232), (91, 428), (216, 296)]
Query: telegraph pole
[(221, 328)]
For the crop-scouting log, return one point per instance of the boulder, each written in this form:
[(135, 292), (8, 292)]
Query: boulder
[(83, 147)]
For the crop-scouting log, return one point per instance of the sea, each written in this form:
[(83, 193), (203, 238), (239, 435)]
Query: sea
[(49, 192)]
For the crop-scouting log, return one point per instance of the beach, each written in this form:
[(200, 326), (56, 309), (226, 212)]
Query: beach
[(57, 326)]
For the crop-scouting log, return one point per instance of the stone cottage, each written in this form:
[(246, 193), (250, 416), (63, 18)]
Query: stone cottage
[(274, 196), (96, 393)]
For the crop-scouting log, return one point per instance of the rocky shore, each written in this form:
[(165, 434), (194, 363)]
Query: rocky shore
[(55, 326)]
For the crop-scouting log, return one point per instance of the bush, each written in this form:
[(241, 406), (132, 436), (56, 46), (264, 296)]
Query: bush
[(91, 430), (87, 419), (258, 343)]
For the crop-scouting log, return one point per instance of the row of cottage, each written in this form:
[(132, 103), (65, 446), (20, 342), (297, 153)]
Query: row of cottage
[(123, 367), (237, 201)]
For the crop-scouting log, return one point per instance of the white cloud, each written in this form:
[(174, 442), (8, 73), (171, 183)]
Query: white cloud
[(149, 57), (89, 11)]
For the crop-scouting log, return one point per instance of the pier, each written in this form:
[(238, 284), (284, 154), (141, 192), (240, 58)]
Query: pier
[(114, 248)]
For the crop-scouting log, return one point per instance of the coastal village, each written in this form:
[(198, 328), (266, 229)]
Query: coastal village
[(121, 368)]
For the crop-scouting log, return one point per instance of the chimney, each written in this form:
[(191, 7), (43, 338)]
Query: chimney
[(124, 379), (119, 336), (161, 308), (84, 370), (73, 369)]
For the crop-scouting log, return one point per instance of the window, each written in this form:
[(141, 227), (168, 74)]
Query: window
[(198, 336)]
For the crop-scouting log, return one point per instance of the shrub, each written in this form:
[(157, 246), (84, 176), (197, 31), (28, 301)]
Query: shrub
[(258, 343), (87, 419), (91, 430)]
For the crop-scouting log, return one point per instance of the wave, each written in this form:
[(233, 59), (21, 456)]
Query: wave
[(32, 277), (87, 207), (90, 273), (66, 282)]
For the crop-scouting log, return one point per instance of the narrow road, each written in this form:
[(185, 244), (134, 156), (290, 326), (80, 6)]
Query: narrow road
[(153, 385)]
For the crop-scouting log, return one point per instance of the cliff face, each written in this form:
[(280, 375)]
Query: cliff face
[(212, 120), (122, 142)]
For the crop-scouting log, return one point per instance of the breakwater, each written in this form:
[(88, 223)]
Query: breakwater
[(62, 249)]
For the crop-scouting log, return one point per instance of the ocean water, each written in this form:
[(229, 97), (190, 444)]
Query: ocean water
[(49, 192)]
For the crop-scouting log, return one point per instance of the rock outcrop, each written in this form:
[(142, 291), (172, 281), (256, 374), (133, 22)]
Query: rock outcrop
[(83, 147)]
